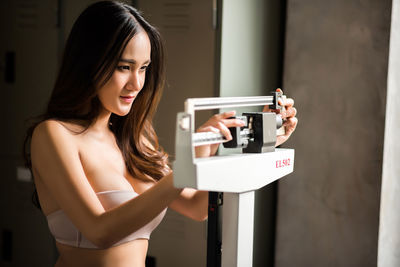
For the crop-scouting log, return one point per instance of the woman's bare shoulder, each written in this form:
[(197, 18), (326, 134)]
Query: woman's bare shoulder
[(56, 129)]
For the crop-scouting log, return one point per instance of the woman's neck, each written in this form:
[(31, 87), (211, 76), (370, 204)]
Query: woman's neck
[(101, 125)]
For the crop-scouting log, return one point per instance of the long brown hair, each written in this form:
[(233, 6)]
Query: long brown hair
[(92, 52)]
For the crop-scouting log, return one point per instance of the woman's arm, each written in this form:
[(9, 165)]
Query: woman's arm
[(55, 157), (194, 203)]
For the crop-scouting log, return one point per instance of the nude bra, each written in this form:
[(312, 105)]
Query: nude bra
[(66, 233)]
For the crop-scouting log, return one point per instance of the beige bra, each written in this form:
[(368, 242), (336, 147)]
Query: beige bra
[(65, 232)]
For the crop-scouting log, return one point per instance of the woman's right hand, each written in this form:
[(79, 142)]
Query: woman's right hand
[(219, 123)]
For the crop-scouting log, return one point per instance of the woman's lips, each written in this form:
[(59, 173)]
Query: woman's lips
[(127, 99)]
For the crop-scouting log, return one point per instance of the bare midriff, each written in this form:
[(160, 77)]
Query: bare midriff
[(131, 254)]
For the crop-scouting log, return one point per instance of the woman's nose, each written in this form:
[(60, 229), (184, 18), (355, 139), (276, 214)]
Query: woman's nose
[(135, 82)]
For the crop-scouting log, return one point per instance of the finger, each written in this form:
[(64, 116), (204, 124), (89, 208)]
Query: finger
[(289, 113), (224, 130), (286, 102), (289, 102), (290, 122), (208, 129), (233, 122), (225, 115), (290, 126)]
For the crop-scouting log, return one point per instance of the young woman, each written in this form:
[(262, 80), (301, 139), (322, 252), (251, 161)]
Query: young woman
[(101, 178)]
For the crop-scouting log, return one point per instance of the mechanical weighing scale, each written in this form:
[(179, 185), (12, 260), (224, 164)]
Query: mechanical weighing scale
[(236, 175)]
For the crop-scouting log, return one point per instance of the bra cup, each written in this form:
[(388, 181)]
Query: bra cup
[(114, 198), (61, 226), (65, 232)]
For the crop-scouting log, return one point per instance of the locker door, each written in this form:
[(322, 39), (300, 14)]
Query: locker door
[(28, 54)]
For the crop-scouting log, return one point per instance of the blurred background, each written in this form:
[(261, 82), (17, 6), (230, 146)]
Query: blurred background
[(332, 57)]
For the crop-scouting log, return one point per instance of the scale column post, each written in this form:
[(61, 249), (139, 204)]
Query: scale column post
[(238, 229)]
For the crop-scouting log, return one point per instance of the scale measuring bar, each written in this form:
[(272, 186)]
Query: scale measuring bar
[(193, 104), (206, 103)]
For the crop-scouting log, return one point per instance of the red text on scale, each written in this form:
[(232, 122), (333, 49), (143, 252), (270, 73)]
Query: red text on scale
[(282, 163)]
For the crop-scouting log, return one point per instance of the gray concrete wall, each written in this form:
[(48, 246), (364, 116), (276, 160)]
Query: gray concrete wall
[(335, 68), (389, 226)]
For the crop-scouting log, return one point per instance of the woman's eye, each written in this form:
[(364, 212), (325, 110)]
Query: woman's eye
[(144, 67), (125, 67)]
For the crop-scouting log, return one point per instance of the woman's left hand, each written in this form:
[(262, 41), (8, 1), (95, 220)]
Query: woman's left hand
[(288, 116), (218, 123)]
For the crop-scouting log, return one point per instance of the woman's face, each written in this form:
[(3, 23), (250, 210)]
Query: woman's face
[(118, 94)]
